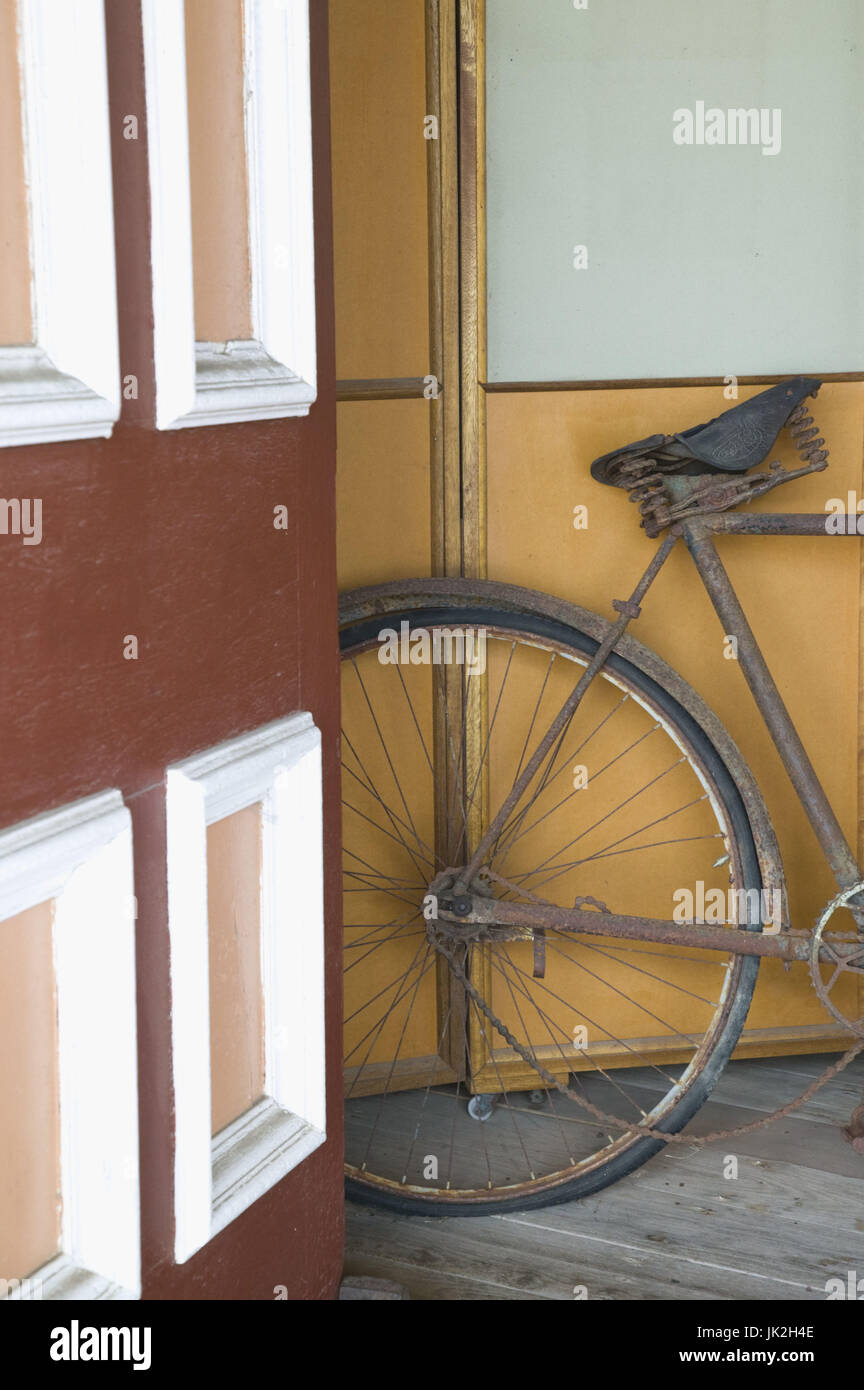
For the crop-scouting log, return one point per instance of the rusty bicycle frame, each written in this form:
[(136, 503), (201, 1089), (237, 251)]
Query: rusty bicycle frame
[(458, 906)]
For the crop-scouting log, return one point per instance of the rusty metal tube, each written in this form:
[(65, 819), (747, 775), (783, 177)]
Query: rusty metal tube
[(801, 772), (499, 912), (779, 523), (628, 610)]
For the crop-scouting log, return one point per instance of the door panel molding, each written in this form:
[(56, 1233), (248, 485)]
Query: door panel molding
[(66, 384), (273, 374)]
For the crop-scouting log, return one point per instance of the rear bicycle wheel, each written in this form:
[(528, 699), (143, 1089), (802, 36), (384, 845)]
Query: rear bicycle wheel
[(635, 808)]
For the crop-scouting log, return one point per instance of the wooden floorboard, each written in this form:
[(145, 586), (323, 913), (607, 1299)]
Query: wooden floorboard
[(675, 1229)]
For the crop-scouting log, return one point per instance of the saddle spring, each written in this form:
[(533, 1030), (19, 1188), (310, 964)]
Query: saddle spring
[(805, 435), (644, 483), (643, 480)]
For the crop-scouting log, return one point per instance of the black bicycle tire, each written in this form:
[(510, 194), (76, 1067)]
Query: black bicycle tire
[(358, 633)]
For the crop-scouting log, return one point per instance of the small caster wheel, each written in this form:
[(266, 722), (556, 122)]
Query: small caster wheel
[(537, 1098), (481, 1107)]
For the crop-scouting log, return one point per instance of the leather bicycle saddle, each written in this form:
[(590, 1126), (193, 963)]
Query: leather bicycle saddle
[(738, 439)]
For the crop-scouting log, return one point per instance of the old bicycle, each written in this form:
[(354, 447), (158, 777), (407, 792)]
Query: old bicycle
[(527, 789)]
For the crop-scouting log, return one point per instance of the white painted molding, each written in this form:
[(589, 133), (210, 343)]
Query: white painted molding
[(61, 1280), (39, 404), (238, 380), (216, 1178), (81, 857), (190, 1011), (293, 961), (279, 160), (66, 385), (253, 1153), (273, 374), (170, 209), (38, 856), (237, 773)]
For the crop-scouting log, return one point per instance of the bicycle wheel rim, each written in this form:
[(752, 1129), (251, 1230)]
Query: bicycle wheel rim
[(691, 1088)]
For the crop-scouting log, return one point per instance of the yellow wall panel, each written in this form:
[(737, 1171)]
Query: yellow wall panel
[(383, 491), (378, 106), (801, 595)]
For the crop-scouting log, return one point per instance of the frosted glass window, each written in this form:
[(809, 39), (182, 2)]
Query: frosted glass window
[(703, 259)]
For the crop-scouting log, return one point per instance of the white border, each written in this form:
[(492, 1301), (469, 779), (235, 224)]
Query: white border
[(215, 1179), (273, 374), (67, 385), (81, 857)]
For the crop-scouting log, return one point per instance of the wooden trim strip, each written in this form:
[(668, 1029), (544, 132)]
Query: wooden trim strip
[(407, 388), (472, 211), (472, 233), (444, 343), (445, 467), (859, 844), (512, 387)]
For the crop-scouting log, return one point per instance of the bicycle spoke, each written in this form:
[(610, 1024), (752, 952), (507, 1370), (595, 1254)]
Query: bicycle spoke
[(643, 1060), (491, 730), (395, 820), (421, 1051), (639, 969), (414, 720), (635, 744), (626, 802), (393, 1063), (385, 749), (383, 941), (609, 850), (481, 1021), (458, 762), (545, 1018), (643, 1008), (405, 976), (428, 1090)]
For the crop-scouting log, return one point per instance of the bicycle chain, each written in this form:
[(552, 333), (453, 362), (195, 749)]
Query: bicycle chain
[(612, 1121)]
